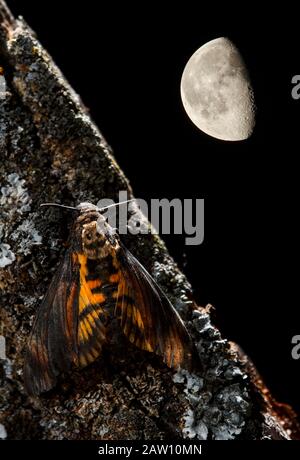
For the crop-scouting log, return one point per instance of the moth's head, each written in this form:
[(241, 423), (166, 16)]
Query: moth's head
[(86, 207)]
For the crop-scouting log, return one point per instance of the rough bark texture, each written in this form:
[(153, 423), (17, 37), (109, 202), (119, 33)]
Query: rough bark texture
[(51, 151)]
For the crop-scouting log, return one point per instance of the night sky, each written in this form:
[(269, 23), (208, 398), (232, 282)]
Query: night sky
[(126, 64)]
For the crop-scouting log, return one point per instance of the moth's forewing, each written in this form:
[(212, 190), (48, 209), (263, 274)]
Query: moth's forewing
[(52, 345), (67, 328), (148, 318)]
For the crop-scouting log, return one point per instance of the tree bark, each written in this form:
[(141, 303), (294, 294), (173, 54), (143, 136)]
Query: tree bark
[(52, 151)]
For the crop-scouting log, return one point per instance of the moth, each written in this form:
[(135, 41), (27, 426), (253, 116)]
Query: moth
[(97, 280)]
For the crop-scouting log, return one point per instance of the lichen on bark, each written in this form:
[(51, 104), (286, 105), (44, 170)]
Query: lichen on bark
[(51, 151)]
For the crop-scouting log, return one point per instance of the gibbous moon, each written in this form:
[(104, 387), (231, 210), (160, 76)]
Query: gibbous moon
[(216, 91)]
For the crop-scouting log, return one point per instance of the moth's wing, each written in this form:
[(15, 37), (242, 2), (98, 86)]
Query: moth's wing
[(67, 328), (148, 318), (91, 307), (52, 345)]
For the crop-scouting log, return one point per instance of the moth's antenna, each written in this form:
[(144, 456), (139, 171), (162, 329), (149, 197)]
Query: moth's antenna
[(76, 209), (59, 206), (116, 204)]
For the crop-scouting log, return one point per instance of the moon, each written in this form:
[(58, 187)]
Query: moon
[(216, 91)]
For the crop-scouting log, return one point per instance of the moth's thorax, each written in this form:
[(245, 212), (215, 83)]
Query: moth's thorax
[(98, 239)]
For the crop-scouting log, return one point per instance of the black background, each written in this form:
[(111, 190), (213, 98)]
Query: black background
[(126, 63)]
